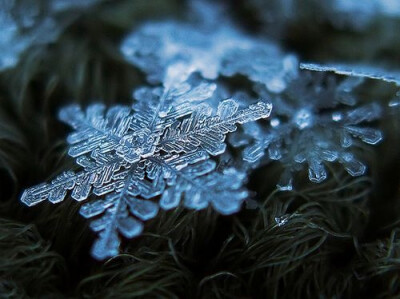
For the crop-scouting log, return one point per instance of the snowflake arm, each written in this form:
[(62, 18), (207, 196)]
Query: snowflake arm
[(193, 177), (94, 129), (361, 71), (122, 211), (96, 175), (174, 102), (202, 186), (207, 131)]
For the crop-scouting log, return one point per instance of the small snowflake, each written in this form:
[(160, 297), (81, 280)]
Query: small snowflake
[(312, 124)]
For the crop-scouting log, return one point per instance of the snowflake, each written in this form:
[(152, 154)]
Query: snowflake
[(209, 47), (311, 125), (157, 149)]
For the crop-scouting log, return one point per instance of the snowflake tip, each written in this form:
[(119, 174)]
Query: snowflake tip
[(170, 199), (143, 209), (106, 247), (130, 227), (367, 135), (316, 171), (286, 181), (228, 206), (30, 198), (352, 165)]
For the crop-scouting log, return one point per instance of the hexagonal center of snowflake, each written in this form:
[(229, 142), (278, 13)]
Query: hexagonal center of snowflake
[(303, 118), (139, 145)]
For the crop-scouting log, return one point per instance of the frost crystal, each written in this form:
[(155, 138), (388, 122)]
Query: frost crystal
[(159, 148), (282, 220), (361, 71), (310, 125), (207, 47)]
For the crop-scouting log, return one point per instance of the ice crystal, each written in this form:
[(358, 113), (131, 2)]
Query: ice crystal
[(311, 125), (158, 149), (361, 71), (207, 47), (282, 220)]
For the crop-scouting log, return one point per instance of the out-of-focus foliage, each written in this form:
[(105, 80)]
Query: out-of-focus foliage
[(323, 30), (28, 268), (25, 24)]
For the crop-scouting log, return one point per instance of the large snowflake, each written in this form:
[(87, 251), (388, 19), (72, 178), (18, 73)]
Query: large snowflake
[(151, 154), (212, 46)]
